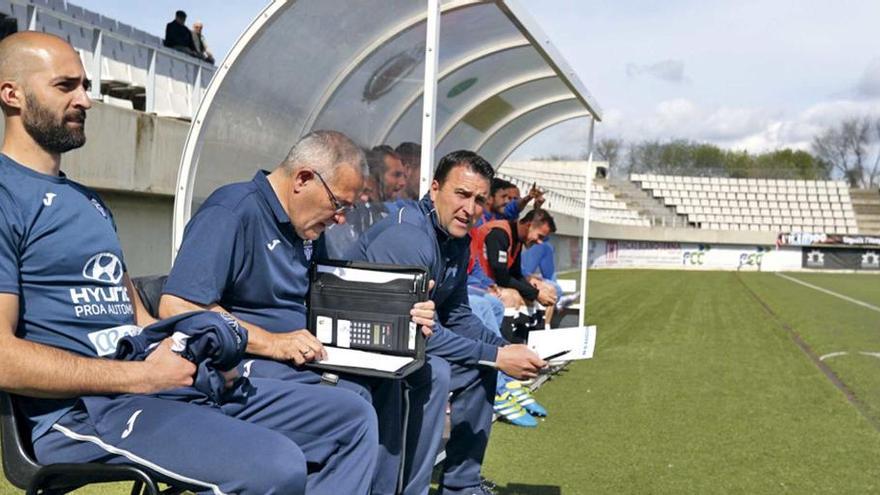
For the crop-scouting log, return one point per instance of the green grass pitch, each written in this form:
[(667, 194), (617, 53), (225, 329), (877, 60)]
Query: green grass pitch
[(705, 383), (697, 388)]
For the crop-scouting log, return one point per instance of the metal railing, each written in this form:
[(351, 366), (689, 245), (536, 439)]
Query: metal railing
[(99, 34)]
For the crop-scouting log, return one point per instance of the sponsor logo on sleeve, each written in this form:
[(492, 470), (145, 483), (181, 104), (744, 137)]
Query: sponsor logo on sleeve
[(98, 206), (178, 342), (105, 341)]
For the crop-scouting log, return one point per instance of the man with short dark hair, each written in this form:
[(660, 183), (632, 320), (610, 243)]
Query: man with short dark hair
[(394, 173), (384, 183), (178, 36), (463, 354), (498, 199), (496, 246), (411, 155), (66, 299), (505, 201)]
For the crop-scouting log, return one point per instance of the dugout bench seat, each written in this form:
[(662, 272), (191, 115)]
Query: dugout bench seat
[(23, 472)]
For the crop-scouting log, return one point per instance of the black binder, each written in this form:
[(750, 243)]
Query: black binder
[(360, 312)]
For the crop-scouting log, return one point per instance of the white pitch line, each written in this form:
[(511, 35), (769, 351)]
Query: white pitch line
[(830, 293), (832, 354)]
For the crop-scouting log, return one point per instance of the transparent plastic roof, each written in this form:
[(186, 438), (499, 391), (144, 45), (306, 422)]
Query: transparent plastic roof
[(360, 68)]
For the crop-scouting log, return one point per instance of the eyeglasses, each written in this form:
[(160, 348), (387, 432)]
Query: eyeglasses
[(338, 206)]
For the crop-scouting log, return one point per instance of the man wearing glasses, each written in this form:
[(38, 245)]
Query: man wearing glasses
[(247, 252)]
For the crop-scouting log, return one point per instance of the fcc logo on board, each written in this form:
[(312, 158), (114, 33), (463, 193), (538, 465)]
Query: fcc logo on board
[(103, 267)]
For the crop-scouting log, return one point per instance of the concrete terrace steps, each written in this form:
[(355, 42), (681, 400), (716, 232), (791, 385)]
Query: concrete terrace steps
[(866, 205), (641, 201)]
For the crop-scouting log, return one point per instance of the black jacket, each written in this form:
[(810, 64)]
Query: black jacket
[(177, 35)]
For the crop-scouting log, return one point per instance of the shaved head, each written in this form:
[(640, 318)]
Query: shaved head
[(30, 51), (43, 92)]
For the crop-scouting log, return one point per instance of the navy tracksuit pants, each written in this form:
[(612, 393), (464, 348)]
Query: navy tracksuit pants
[(280, 438), (473, 395), (385, 395)]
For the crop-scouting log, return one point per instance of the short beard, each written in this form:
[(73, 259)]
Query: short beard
[(52, 135)]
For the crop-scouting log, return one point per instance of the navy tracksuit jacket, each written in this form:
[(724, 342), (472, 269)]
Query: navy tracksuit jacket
[(459, 353), (214, 342)]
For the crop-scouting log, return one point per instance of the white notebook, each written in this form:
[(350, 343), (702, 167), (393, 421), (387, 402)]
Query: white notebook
[(338, 356), (575, 342)]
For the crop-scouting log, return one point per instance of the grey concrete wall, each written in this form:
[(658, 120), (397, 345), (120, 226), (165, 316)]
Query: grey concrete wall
[(623, 232), (127, 151), (144, 226), (568, 251)]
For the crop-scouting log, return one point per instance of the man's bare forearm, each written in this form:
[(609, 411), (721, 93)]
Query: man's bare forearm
[(37, 370), (259, 339)]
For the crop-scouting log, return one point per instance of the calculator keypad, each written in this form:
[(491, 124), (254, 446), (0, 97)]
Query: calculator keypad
[(370, 334)]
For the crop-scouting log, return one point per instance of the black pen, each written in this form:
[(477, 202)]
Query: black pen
[(554, 356)]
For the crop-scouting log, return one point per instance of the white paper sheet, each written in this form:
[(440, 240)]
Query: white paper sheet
[(580, 342), (359, 275), (362, 359)]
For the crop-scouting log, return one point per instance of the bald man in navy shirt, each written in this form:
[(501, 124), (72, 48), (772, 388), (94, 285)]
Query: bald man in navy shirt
[(65, 300)]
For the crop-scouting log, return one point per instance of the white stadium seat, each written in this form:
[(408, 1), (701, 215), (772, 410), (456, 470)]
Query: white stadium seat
[(758, 204)]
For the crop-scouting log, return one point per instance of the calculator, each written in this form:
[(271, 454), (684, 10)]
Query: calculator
[(370, 335), (365, 308)]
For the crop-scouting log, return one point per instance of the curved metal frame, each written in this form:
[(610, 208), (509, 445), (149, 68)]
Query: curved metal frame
[(535, 130), (533, 32), (456, 118), (499, 126), (189, 166), (464, 62), (369, 50)]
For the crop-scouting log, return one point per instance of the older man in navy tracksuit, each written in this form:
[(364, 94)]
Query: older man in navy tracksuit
[(463, 354)]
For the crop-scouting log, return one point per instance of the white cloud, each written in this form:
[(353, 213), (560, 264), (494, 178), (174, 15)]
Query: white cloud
[(798, 131), (684, 118), (753, 129)]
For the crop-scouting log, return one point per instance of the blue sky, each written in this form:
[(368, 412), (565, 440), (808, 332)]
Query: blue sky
[(746, 74)]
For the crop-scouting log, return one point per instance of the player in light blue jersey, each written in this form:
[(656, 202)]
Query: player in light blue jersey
[(65, 300)]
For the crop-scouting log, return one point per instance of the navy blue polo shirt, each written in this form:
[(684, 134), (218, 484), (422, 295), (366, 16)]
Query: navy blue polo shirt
[(240, 251), (59, 253)]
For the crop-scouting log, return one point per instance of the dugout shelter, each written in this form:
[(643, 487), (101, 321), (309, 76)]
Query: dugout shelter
[(447, 74)]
